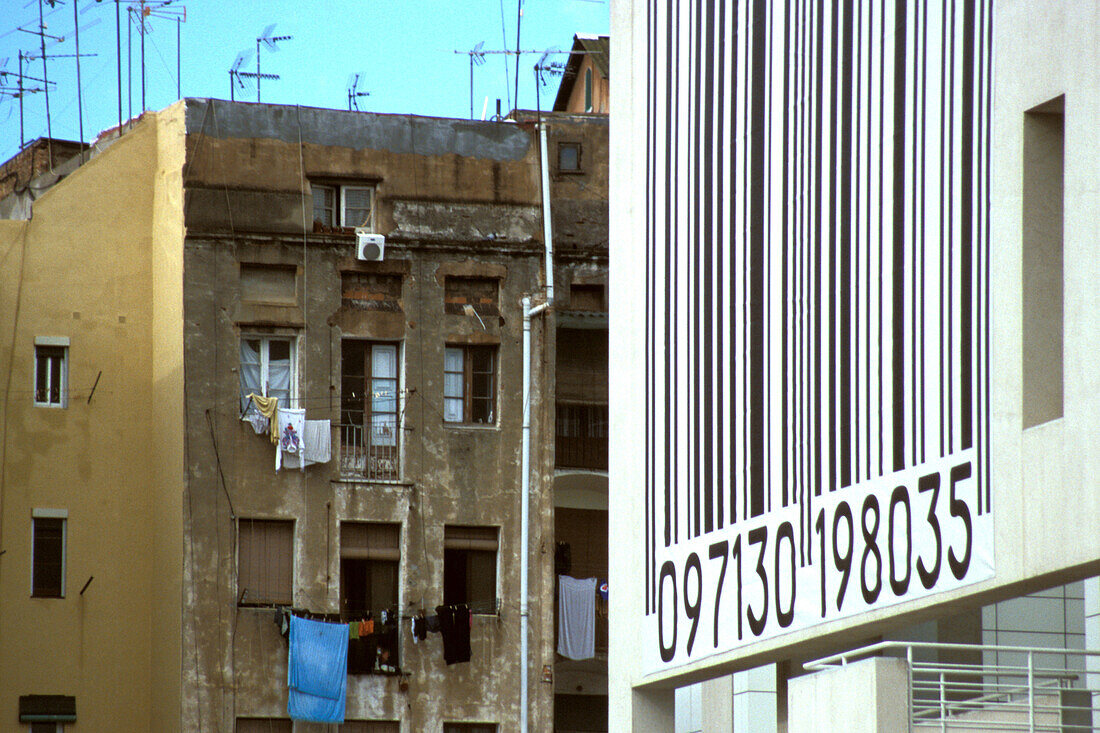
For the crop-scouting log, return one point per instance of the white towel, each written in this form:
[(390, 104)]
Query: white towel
[(316, 445), (576, 617), (291, 430)]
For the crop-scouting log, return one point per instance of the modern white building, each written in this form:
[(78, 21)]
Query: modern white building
[(856, 400)]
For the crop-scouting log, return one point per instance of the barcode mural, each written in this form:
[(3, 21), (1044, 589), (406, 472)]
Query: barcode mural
[(817, 312)]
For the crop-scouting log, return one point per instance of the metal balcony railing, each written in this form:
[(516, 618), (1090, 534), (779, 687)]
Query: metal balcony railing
[(1022, 693), (364, 455)]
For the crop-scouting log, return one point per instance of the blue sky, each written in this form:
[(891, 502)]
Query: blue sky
[(403, 48)]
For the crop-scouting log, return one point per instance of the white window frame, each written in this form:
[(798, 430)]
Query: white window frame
[(265, 351), (466, 396), (63, 515), (61, 342), (340, 217)]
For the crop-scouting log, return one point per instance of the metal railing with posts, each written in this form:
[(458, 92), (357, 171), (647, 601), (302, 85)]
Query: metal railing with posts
[(1008, 688), (364, 456)]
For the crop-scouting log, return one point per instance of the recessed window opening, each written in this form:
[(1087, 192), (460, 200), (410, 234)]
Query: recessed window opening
[(50, 375), (369, 408), (265, 562), (469, 384), (343, 206), (268, 369), (48, 563), (470, 567), (1042, 266), (569, 157)]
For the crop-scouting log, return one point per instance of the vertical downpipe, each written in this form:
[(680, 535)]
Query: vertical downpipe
[(547, 237), (525, 500)]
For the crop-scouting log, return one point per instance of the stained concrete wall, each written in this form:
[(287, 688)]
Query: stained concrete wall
[(94, 264), (453, 197)]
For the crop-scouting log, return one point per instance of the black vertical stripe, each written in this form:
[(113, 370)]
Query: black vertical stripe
[(757, 244), (966, 251), (845, 254), (733, 332), (881, 238), (898, 284), (720, 234), (670, 355), (921, 397), (819, 201), (695, 111), (785, 448), (830, 322), (707, 364)]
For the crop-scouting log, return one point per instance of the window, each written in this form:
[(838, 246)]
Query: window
[(581, 436), (343, 206), (588, 90), (469, 384), (368, 409), (47, 728), (470, 567), (265, 562), (460, 294), (264, 725), (273, 284), (48, 563), (370, 726), (569, 157), (51, 372), (584, 297), (268, 369), (371, 291), (469, 728), (370, 553), (47, 713)]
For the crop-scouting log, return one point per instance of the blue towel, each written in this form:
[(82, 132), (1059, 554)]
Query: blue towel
[(317, 670)]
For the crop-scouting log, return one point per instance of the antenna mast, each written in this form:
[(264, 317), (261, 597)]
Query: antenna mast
[(270, 41), (353, 91)]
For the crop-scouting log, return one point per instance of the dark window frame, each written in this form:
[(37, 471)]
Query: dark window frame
[(381, 452), (469, 554), (579, 165), (479, 403), (51, 375), (49, 537)]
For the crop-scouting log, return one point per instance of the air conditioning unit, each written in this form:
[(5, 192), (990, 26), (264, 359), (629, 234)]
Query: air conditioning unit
[(368, 246)]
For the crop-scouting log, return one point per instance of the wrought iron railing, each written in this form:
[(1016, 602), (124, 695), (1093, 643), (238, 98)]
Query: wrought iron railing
[(364, 456)]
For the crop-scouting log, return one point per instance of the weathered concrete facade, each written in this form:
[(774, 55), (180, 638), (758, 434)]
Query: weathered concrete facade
[(200, 234), (453, 199)]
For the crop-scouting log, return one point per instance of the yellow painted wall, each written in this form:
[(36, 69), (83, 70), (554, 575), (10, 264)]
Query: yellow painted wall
[(102, 266)]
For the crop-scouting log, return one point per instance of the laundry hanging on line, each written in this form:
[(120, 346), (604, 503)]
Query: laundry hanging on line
[(576, 617), (317, 668)]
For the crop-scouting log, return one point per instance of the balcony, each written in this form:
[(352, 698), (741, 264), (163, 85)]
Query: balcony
[(369, 455), (581, 436)]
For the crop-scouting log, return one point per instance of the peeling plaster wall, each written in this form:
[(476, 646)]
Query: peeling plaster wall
[(453, 197)]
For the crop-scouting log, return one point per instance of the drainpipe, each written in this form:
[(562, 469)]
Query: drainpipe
[(546, 234), (525, 460), (525, 505)]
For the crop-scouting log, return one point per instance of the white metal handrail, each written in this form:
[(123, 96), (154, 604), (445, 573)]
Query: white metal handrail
[(954, 695)]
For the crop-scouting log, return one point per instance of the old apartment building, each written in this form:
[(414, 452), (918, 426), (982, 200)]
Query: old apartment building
[(367, 271)]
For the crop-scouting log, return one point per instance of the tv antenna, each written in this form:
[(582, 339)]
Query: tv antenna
[(546, 69), (139, 13), (271, 42), (353, 91), (477, 58), (20, 90)]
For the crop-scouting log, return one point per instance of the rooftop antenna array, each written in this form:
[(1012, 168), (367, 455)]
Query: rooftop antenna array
[(477, 58), (353, 91), (270, 41), (242, 79), (545, 69), (40, 30), (20, 90), (139, 14)]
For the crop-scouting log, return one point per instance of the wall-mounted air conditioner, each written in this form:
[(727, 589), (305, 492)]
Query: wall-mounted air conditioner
[(368, 246)]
